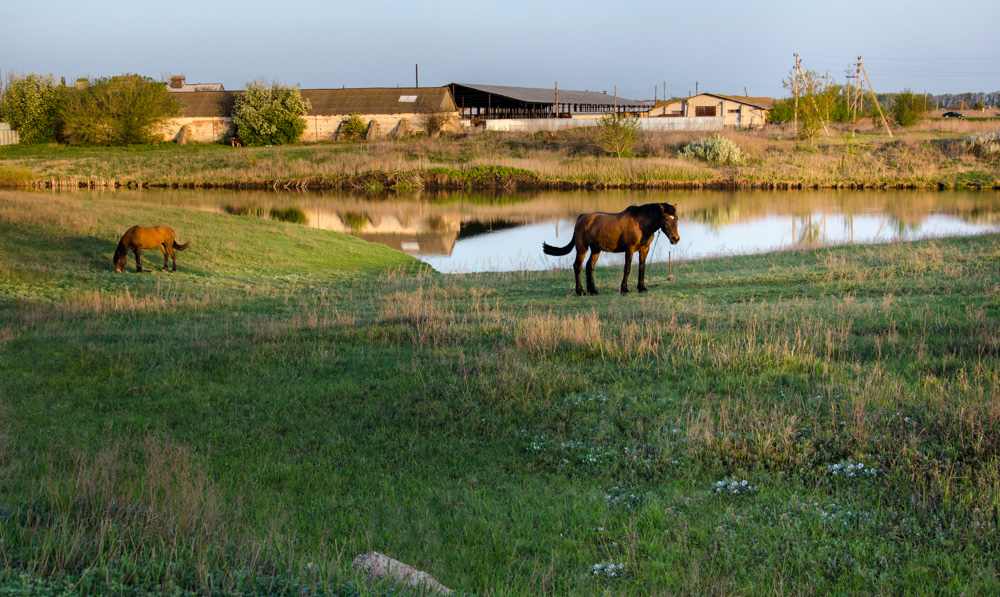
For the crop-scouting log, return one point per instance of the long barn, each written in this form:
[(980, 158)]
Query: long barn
[(208, 114), (486, 102)]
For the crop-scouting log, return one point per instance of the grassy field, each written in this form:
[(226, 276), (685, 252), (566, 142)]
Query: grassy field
[(819, 421), (930, 154)]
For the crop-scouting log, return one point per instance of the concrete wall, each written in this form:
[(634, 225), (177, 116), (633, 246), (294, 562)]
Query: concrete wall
[(531, 125), (318, 128)]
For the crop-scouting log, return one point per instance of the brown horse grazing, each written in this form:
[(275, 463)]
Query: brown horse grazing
[(629, 231), (139, 237)]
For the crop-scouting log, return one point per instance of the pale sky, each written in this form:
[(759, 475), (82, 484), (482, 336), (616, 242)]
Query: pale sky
[(724, 46)]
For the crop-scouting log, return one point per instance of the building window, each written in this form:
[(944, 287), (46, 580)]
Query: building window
[(704, 110), (736, 111)]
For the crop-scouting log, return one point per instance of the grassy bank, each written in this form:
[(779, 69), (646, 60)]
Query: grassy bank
[(291, 398), (930, 155)]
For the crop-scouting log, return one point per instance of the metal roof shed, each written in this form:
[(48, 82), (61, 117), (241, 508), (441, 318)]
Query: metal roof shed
[(496, 101)]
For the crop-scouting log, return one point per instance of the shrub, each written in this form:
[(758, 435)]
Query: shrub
[(616, 134), (31, 105), (15, 176), (907, 108), (270, 114), (984, 145), (353, 128), (434, 122), (122, 110), (716, 150)]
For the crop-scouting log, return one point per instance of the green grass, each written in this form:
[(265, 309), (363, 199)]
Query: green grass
[(291, 398)]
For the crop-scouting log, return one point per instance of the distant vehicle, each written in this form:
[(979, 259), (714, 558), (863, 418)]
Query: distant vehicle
[(953, 115)]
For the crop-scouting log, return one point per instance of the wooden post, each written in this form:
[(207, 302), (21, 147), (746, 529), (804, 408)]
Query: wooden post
[(875, 97), (795, 92)]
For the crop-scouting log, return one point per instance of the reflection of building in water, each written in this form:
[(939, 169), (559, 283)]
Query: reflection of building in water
[(432, 234)]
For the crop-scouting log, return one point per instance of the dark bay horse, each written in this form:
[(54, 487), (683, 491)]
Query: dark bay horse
[(629, 231), (154, 237)]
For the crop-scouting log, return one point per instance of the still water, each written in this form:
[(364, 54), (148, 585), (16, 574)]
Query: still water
[(463, 232)]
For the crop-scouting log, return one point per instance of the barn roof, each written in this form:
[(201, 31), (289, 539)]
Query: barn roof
[(532, 95), (765, 103), (379, 100), (332, 102)]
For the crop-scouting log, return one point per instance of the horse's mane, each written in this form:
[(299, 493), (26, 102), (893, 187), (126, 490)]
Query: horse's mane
[(121, 251), (651, 210)]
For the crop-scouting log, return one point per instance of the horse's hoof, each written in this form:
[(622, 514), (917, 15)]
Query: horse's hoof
[(643, 289), (624, 291), (593, 292)]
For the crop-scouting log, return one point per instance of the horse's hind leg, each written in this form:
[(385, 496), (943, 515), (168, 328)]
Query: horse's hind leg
[(628, 269), (591, 287), (173, 256), (577, 266), (163, 248)]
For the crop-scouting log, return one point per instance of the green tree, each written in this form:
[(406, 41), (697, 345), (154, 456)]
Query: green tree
[(617, 133), (31, 104), (817, 101), (907, 108), (122, 110), (270, 114)]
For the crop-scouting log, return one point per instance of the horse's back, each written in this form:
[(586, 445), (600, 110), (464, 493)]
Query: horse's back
[(606, 231), (148, 237)]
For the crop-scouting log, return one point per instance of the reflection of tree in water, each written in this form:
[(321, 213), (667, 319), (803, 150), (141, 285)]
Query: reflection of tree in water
[(355, 221), (718, 216), (291, 214), (437, 224)]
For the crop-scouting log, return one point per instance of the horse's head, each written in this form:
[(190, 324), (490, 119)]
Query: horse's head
[(119, 259), (668, 222)]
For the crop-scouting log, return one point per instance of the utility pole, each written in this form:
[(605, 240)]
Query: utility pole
[(416, 75), (696, 87), (875, 97), (795, 92), (856, 98), (555, 106)]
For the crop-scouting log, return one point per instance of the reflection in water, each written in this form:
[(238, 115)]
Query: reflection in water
[(462, 232)]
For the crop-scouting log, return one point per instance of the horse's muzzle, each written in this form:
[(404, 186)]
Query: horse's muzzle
[(675, 239)]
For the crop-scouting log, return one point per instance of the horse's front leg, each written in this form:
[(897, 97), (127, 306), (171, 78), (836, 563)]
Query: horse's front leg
[(577, 266), (591, 287), (138, 259), (628, 269), (643, 251)]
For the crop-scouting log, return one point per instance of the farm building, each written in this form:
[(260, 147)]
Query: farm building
[(388, 111), (179, 84), (736, 111), (489, 102)]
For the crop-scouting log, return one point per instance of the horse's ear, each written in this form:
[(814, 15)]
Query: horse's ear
[(668, 209)]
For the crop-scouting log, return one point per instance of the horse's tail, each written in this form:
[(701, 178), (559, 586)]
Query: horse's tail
[(550, 250), (178, 247)]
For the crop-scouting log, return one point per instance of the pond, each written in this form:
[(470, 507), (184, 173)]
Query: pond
[(466, 232)]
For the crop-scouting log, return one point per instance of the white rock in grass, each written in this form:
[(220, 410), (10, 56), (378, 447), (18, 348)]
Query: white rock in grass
[(380, 566)]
